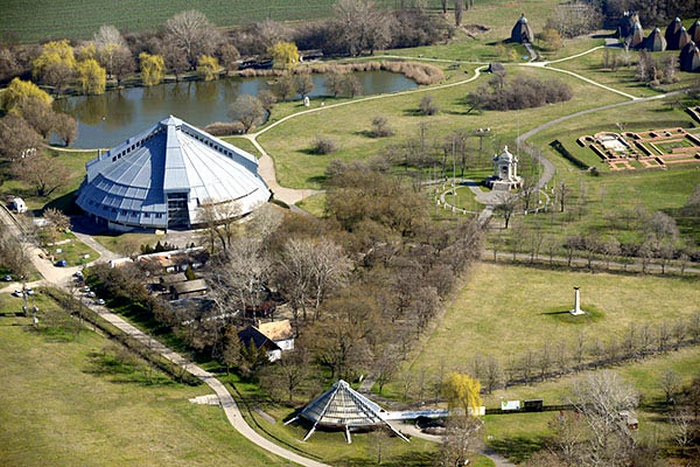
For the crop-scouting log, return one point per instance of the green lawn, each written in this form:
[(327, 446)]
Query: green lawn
[(128, 243), (290, 143), (72, 250), (505, 310), (61, 406)]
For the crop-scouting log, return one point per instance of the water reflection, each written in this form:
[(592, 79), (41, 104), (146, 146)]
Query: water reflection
[(109, 119)]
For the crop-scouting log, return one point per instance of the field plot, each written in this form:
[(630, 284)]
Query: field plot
[(65, 403), (506, 310), (656, 148), (44, 19)]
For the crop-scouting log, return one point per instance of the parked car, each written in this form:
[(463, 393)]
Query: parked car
[(17, 293), (99, 301), (91, 295), (86, 289), (78, 275), (61, 263), (29, 291), (7, 278)]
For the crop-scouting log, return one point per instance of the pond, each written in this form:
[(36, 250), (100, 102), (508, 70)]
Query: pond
[(107, 120)]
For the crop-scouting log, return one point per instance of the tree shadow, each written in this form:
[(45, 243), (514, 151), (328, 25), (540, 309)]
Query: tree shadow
[(518, 448), (320, 179), (65, 203)]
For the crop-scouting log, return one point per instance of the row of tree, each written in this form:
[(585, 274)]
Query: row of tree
[(189, 41)]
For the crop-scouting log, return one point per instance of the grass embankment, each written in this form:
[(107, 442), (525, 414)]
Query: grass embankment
[(73, 401)]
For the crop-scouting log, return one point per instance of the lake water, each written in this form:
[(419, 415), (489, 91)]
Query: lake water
[(107, 120)]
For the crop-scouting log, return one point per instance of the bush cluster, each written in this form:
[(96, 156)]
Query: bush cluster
[(521, 93)]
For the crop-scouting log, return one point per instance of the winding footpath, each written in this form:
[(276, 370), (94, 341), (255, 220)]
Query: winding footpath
[(62, 276)]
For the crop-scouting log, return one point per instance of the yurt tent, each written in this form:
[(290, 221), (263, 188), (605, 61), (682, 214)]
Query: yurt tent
[(341, 407), (166, 176), (522, 31)]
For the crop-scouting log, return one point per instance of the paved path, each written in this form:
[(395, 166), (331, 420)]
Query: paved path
[(266, 165), (228, 404), (62, 277), (410, 429)]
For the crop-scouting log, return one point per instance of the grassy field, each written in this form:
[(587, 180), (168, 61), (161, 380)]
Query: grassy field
[(505, 310), (80, 20), (290, 144), (72, 250), (65, 403), (331, 446)]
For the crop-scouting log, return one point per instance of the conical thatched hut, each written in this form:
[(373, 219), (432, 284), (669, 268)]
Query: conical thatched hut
[(627, 22), (694, 32), (655, 42), (676, 35), (636, 37), (690, 58), (341, 407), (673, 33), (522, 31)]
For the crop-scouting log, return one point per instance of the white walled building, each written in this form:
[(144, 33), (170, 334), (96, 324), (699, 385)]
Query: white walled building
[(162, 177)]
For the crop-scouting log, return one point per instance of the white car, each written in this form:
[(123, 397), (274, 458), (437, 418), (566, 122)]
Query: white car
[(17, 293), (99, 301), (29, 291), (86, 289)]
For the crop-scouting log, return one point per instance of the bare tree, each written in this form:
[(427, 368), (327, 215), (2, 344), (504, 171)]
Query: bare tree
[(219, 221), (248, 110), (603, 399), (43, 173), (66, 128), (240, 276), (16, 137), (462, 433), (670, 383), (192, 32), (310, 270), (561, 193), (505, 208), (459, 12)]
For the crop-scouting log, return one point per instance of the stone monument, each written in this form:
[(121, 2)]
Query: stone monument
[(577, 303), (505, 172)]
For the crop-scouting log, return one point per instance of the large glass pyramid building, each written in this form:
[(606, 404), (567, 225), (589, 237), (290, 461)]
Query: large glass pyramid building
[(163, 177)]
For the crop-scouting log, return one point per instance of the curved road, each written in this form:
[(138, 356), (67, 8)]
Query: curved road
[(61, 277)]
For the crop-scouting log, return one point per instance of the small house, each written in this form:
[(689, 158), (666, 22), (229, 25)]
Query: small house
[(188, 289), (172, 279), (275, 337)]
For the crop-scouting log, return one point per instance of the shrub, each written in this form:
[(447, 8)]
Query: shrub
[(324, 145), (381, 127), (427, 106), (224, 128)]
